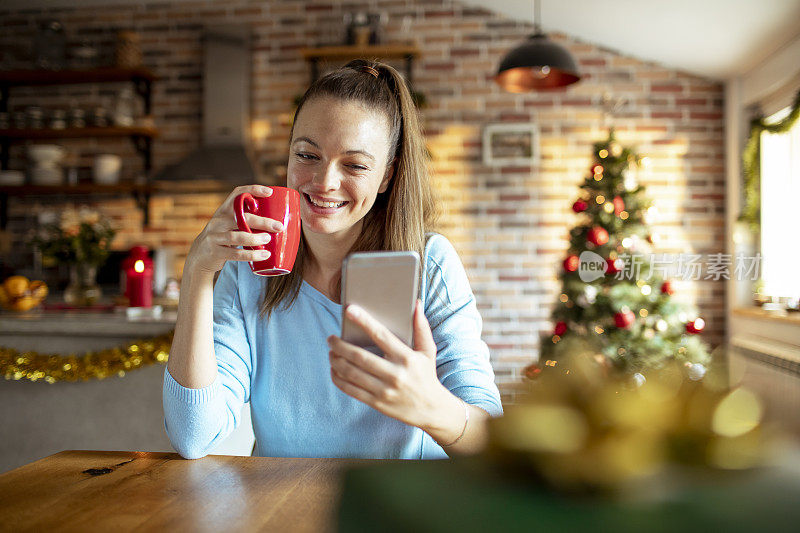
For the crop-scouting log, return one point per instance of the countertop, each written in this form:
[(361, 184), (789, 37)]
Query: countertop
[(85, 323)]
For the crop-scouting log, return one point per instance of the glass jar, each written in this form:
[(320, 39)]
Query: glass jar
[(51, 46), (77, 118), (58, 119), (82, 290), (19, 120), (124, 107), (35, 117), (100, 117)]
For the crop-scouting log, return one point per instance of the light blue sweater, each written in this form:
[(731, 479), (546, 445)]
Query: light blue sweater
[(281, 367)]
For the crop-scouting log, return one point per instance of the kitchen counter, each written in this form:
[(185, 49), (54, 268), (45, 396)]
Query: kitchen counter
[(116, 413)]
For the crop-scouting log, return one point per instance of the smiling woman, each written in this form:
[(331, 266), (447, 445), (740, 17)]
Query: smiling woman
[(356, 155)]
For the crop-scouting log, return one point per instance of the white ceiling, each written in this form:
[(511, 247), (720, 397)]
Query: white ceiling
[(713, 38)]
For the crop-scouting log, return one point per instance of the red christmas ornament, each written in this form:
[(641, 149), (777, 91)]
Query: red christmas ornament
[(580, 206), (624, 319), (571, 263), (614, 265), (666, 288), (597, 236), (695, 326), (532, 371), (560, 329), (619, 205)]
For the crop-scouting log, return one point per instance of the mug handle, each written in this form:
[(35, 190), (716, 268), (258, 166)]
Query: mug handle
[(245, 203)]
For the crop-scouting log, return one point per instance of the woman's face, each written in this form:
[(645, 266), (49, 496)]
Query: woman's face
[(338, 161)]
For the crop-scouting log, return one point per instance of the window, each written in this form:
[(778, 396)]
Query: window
[(780, 193)]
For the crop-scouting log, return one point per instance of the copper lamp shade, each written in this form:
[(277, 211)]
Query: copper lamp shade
[(537, 64)]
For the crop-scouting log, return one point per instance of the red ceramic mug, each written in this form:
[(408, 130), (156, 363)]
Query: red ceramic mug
[(284, 206)]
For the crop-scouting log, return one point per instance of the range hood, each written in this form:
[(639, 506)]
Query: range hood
[(223, 153)]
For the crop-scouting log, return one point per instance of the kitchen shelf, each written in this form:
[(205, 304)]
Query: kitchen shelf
[(140, 191), (140, 76), (142, 137), (383, 51)]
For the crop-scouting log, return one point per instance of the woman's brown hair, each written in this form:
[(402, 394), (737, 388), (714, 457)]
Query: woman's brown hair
[(400, 216)]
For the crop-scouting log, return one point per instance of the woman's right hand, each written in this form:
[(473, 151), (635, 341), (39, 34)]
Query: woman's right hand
[(218, 241)]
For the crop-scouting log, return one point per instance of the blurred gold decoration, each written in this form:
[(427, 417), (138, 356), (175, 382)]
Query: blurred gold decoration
[(34, 366), (581, 426)]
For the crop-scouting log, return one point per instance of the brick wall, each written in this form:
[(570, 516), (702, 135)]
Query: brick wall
[(508, 223)]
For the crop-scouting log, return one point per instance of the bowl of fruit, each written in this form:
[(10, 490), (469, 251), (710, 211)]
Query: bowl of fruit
[(19, 294)]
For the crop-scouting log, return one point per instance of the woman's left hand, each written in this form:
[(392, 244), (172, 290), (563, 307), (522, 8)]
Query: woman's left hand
[(403, 384)]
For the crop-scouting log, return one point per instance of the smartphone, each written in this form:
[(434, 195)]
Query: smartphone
[(385, 285)]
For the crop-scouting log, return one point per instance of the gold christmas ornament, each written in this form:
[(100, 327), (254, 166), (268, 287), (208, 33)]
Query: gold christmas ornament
[(101, 364), (581, 426)]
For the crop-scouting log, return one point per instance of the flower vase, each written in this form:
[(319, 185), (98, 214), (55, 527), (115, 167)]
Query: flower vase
[(82, 290)]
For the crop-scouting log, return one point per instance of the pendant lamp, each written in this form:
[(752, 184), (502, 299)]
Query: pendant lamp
[(537, 64)]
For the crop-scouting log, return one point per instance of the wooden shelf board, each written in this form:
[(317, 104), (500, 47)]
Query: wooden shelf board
[(344, 52), (49, 133), (83, 188), (60, 77), (158, 187)]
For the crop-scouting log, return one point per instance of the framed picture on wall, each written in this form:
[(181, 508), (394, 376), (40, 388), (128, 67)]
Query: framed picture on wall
[(511, 144)]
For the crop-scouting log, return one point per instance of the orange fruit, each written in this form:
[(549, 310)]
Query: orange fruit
[(25, 303), (38, 289), (16, 286)]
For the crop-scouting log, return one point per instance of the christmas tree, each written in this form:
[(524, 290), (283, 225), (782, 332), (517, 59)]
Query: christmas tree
[(613, 300)]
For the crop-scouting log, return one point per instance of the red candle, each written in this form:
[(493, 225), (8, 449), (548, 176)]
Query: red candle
[(138, 268)]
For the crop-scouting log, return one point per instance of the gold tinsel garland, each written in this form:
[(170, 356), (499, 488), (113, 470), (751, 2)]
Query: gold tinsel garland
[(34, 366)]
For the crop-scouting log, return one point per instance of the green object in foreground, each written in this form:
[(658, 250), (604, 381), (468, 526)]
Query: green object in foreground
[(466, 494)]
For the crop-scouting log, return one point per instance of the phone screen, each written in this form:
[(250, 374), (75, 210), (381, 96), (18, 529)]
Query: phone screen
[(385, 285)]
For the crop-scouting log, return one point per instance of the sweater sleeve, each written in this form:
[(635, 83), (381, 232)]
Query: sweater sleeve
[(196, 420), (462, 360)]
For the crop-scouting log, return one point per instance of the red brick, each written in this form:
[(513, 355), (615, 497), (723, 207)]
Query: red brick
[(666, 88)]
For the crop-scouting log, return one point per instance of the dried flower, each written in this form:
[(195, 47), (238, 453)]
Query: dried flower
[(77, 236)]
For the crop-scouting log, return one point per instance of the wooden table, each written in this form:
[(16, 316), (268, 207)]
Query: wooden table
[(154, 491)]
